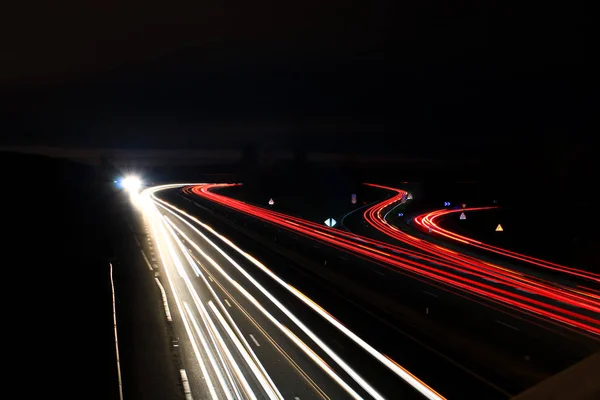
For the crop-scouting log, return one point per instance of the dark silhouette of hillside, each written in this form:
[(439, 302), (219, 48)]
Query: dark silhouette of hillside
[(56, 276)]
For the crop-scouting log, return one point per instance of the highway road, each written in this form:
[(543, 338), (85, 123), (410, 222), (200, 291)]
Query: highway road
[(244, 332), (495, 345)]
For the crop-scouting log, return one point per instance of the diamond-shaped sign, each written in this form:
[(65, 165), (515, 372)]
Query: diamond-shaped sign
[(330, 222)]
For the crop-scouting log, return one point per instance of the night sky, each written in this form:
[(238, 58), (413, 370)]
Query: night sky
[(417, 78)]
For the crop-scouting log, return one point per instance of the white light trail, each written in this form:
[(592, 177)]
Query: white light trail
[(260, 373), (285, 330), (390, 364), (186, 325)]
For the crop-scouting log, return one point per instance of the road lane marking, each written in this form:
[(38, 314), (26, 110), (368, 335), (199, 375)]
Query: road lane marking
[(164, 299), (254, 340), (112, 286), (322, 364), (186, 324), (186, 385), (507, 325), (147, 261), (378, 272), (429, 293), (137, 241), (228, 303)]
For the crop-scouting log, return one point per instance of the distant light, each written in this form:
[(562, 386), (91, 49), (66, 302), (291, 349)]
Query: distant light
[(131, 183), (116, 181), (353, 198)]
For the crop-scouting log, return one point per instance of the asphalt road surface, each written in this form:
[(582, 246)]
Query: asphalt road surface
[(500, 349), (268, 312), (244, 333)]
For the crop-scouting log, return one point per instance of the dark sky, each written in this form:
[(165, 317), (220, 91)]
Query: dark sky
[(418, 76)]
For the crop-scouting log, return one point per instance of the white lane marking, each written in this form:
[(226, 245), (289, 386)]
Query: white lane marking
[(112, 286), (307, 350), (186, 324), (429, 293), (211, 279), (254, 340), (164, 299), (397, 369), (228, 303), (146, 259), (296, 398), (379, 272), (137, 241), (190, 250), (507, 325), (186, 385), (212, 359)]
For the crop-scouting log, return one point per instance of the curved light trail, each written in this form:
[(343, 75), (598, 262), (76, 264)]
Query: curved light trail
[(575, 308), (429, 220), (216, 328)]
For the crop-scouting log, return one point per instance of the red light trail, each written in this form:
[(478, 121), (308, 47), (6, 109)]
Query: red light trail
[(428, 220), (575, 308)]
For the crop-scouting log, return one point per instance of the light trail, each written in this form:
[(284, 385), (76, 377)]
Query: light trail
[(428, 220), (164, 226), (153, 215), (455, 265), (394, 367), (212, 330)]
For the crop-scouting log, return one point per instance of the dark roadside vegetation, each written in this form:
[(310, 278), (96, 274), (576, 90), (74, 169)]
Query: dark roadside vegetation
[(58, 305), (67, 222)]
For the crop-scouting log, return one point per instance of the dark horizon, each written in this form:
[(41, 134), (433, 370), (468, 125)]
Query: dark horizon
[(417, 80)]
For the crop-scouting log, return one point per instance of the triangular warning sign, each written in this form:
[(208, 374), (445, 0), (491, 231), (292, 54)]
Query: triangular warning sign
[(409, 197), (499, 228), (271, 202), (463, 216), (464, 205)]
